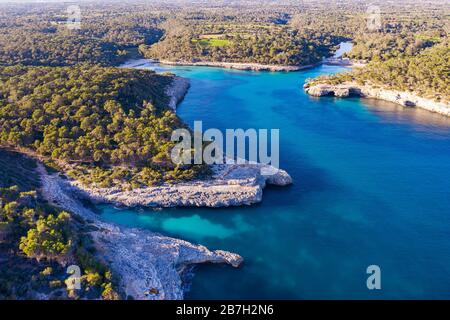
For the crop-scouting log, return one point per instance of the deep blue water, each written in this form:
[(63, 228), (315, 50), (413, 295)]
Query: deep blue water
[(371, 186)]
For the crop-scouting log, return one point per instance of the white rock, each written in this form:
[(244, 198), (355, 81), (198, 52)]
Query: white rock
[(407, 99), (230, 185), (142, 259), (176, 91)]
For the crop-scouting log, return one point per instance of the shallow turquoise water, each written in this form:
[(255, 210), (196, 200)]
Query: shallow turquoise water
[(371, 186)]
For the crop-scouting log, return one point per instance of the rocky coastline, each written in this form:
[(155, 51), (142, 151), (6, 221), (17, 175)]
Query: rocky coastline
[(236, 65), (176, 91), (230, 185), (406, 99), (150, 266)]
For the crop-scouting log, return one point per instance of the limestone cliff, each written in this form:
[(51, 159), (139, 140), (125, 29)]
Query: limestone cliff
[(406, 99)]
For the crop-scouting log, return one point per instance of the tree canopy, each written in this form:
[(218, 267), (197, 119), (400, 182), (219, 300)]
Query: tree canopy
[(94, 118)]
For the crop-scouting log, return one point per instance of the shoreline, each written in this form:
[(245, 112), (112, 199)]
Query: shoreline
[(230, 185), (233, 183), (225, 65), (245, 66), (405, 99), (176, 91), (237, 65), (136, 63), (127, 250)]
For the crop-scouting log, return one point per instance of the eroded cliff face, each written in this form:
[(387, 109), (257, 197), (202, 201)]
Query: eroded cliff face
[(149, 265), (176, 91), (406, 99), (230, 185)]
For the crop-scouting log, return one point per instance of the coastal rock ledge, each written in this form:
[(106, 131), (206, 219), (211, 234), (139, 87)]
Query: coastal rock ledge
[(150, 266), (230, 185), (176, 91), (406, 99)]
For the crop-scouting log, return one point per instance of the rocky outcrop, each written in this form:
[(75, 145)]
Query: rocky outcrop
[(406, 99), (149, 265), (176, 91), (230, 185)]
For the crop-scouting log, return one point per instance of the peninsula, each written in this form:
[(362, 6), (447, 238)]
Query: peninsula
[(402, 80)]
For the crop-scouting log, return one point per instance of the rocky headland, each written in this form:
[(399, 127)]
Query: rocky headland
[(230, 185), (150, 266), (406, 99)]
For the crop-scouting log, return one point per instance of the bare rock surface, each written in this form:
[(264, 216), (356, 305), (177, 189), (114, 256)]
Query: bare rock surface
[(230, 185), (149, 264), (235, 65), (406, 99)]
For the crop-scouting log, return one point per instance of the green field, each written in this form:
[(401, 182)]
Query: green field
[(213, 42)]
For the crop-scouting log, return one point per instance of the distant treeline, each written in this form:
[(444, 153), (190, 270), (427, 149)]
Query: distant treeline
[(43, 37)]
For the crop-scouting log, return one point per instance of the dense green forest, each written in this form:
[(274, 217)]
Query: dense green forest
[(285, 34), (426, 73), (402, 33), (297, 34), (270, 33), (43, 37), (245, 43), (111, 125), (107, 123), (38, 241), (409, 51)]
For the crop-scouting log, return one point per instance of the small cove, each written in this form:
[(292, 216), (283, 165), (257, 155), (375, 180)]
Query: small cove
[(371, 186)]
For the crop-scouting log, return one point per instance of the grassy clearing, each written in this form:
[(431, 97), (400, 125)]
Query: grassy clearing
[(213, 42)]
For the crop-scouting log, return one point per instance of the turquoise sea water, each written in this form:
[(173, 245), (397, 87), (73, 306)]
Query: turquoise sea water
[(371, 186)]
